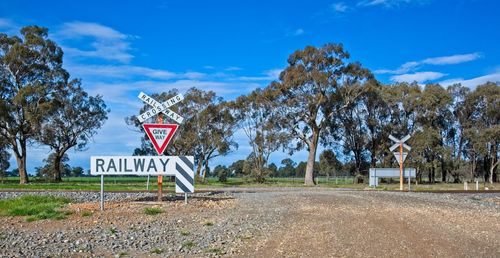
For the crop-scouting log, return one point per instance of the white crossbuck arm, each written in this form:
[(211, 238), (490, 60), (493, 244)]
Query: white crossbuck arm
[(160, 107)]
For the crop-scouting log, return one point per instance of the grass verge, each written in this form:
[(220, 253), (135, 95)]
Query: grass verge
[(36, 207), (152, 211)]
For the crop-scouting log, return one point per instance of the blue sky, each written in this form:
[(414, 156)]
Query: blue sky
[(120, 48)]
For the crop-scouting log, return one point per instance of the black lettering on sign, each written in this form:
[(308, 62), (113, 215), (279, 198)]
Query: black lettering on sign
[(164, 163), (125, 166), (111, 165), (99, 163), (151, 165), (139, 164)]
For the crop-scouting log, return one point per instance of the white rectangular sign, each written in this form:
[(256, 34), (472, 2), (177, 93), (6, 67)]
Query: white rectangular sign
[(133, 165)]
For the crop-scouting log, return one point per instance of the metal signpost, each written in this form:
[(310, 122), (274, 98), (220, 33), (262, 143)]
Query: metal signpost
[(401, 156), (160, 134)]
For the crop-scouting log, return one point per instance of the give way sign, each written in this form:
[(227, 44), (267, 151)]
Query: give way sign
[(160, 135)]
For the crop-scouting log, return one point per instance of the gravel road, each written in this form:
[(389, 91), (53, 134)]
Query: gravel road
[(277, 222)]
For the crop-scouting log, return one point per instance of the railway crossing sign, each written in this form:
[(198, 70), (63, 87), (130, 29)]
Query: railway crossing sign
[(160, 135), (160, 108), (400, 156), (399, 142)]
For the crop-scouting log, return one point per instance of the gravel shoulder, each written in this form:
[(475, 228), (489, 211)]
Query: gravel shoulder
[(278, 222)]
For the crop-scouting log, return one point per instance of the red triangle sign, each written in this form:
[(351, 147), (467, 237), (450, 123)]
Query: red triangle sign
[(160, 135)]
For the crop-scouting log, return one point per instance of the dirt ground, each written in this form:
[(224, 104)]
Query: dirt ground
[(293, 222), (360, 224)]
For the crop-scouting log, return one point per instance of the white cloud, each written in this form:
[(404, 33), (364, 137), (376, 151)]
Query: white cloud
[(298, 32), (106, 43), (128, 71), (418, 77), (233, 68), (9, 27), (82, 29), (295, 33), (454, 59), (473, 82), (442, 60), (389, 3), (6, 23), (269, 75), (339, 7)]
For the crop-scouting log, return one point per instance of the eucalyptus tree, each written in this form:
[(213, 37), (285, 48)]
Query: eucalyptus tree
[(316, 85), (377, 119), (483, 132), (30, 71), (257, 117), (329, 164), (73, 123), (456, 134), (434, 117), (48, 170)]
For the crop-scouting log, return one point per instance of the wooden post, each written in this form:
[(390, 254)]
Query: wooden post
[(159, 120), (401, 166)]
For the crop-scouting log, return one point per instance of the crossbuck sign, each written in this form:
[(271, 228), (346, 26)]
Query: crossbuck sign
[(400, 156)]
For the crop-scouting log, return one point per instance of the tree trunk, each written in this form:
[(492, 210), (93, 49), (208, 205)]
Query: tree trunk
[(492, 170), (309, 177), (57, 167), (205, 169), (443, 172), (21, 163), (198, 168)]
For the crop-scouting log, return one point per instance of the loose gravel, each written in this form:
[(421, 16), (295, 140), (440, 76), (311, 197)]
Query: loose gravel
[(277, 222)]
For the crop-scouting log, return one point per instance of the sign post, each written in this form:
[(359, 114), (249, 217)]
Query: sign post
[(160, 177), (400, 156)]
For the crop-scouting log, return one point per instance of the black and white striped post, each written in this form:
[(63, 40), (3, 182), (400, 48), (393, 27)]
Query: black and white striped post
[(184, 180)]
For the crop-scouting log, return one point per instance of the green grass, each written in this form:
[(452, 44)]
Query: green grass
[(126, 183), (184, 232), (36, 207), (214, 250), (86, 213), (208, 223), (188, 245), (152, 211)]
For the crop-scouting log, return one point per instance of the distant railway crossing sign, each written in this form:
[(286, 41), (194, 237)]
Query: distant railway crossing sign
[(400, 156), (399, 142), (160, 135)]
